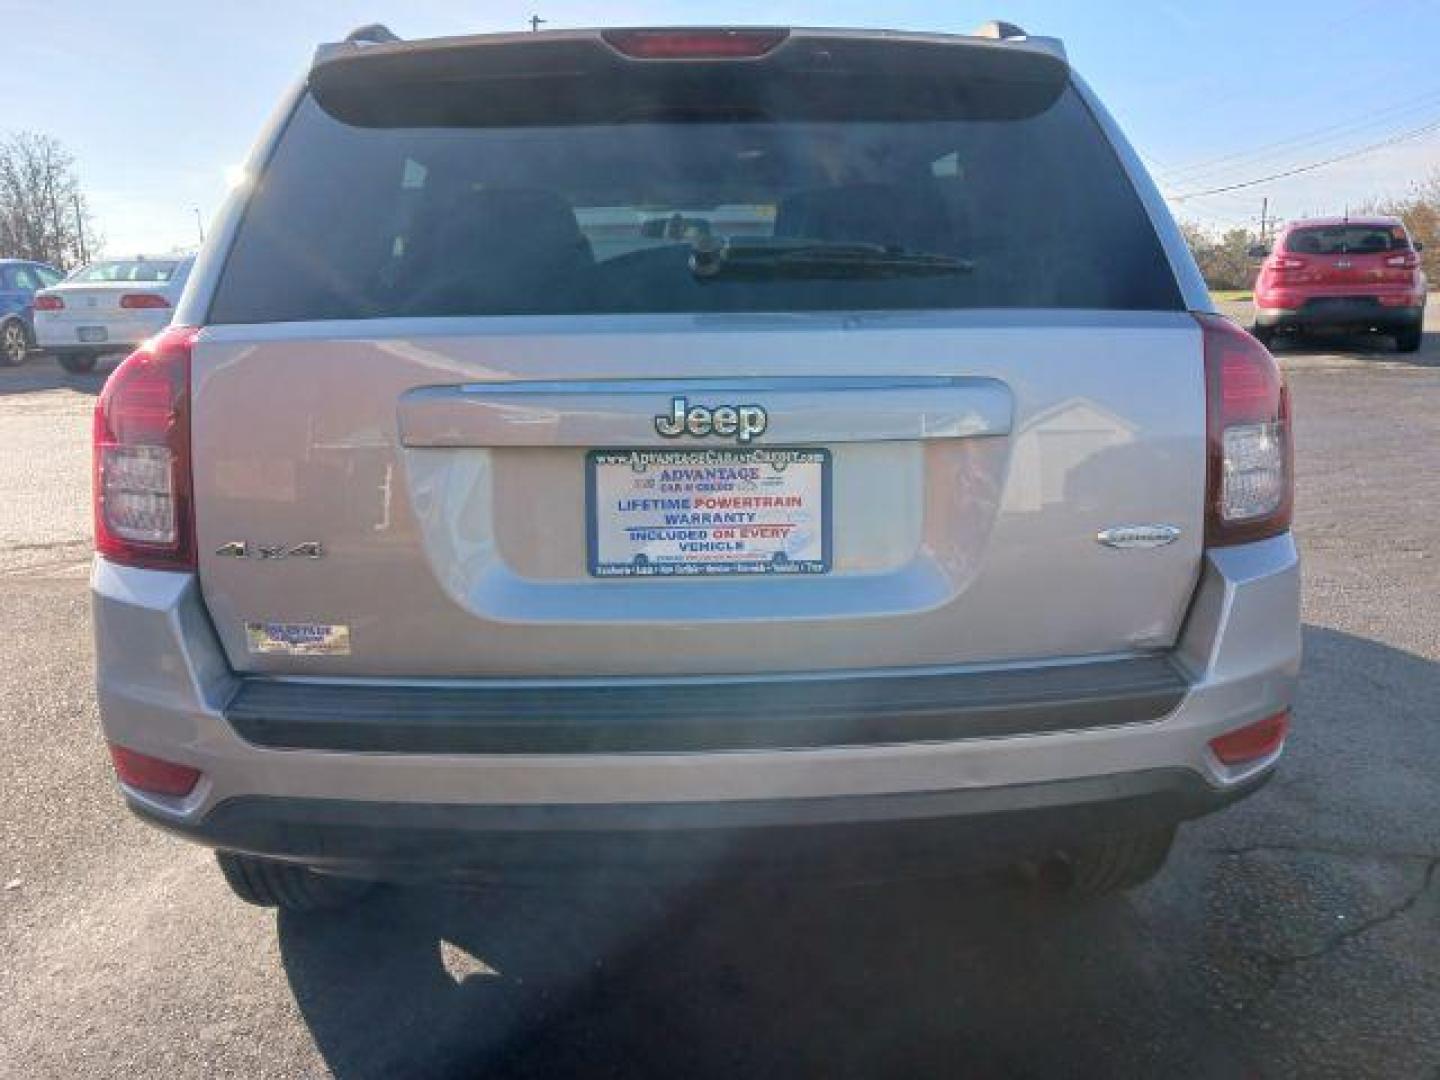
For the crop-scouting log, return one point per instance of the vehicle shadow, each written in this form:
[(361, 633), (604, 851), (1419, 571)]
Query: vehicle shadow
[(967, 977), (41, 373), (1379, 346), (926, 978)]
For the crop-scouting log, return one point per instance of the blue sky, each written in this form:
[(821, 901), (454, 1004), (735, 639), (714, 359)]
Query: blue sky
[(158, 98)]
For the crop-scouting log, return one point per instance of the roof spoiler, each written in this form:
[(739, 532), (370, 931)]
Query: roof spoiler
[(994, 30), (580, 77)]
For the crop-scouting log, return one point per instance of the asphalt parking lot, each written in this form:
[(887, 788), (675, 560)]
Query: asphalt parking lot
[(1295, 935)]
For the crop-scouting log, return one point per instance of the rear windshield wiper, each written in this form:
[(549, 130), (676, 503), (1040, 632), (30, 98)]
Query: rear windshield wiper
[(713, 257)]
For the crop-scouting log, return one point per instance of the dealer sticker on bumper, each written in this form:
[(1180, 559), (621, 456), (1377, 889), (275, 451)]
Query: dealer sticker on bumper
[(658, 513), (298, 639)]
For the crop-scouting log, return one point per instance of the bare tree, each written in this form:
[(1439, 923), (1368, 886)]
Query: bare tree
[(43, 213)]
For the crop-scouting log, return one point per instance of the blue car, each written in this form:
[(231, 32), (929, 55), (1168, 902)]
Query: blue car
[(19, 280)]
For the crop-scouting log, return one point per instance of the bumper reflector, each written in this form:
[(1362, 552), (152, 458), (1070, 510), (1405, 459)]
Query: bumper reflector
[(1253, 741), (152, 774)]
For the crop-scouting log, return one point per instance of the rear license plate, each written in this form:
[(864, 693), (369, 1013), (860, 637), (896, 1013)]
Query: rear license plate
[(92, 334), (685, 513)]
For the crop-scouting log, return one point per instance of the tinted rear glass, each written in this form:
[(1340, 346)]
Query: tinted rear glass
[(351, 222), (1347, 240)]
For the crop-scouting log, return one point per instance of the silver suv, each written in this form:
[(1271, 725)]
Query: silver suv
[(692, 451)]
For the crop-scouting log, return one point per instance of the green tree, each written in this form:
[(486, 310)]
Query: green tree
[(1224, 258)]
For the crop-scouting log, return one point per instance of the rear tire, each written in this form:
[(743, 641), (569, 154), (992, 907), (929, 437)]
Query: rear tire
[(1408, 338), (78, 363), (266, 883), (1115, 863), (14, 343)]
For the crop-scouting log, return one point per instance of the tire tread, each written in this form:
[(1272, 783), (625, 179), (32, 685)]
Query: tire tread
[(1119, 862), (268, 883)]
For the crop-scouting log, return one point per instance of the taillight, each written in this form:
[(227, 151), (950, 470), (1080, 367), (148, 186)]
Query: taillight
[(1250, 476), (1406, 260), (1253, 741), (152, 774), (693, 44), (143, 506), (1285, 262), (143, 300), (49, 303)]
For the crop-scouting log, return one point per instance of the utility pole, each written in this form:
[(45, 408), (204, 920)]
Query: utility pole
[(199, 223), (1264, 217), (80, 230), (536, 22)]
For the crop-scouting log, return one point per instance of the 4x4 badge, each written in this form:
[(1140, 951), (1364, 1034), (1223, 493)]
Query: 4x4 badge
[(743, 422)]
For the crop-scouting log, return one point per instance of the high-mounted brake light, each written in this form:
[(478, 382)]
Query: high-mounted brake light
[(142, 488), (1250, 484), (693, 44), (143, 300), (49, 303)]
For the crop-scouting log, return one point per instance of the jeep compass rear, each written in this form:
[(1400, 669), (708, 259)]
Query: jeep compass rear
[(699, 451)]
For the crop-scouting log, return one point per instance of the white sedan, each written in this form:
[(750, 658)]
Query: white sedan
[(107, 307)]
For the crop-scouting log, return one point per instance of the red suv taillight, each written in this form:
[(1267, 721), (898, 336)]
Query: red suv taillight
[(142, 494), (1250, 483), (1285, 270), (49, 303), (143, 300)]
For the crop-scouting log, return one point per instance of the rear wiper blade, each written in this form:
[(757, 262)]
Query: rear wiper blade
[(712, 257)]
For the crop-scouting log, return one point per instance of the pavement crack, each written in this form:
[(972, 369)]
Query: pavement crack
[(1280, 963)]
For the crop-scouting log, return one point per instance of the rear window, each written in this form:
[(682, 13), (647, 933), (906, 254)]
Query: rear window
[(1347, 240), (693, 214), (137, 270)]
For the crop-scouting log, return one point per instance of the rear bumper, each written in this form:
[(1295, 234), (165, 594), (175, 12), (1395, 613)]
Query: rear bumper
[(165, 689), (60, 338), (1339, 311)]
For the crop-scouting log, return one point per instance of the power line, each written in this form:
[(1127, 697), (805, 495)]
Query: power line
[(1195, 170), (1414, 133)]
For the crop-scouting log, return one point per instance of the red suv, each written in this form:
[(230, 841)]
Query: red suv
[(1352, 273)]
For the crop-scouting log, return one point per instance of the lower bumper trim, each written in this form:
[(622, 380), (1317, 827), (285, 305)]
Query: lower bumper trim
[(1338, 313), (925, 831), (100, 348)]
